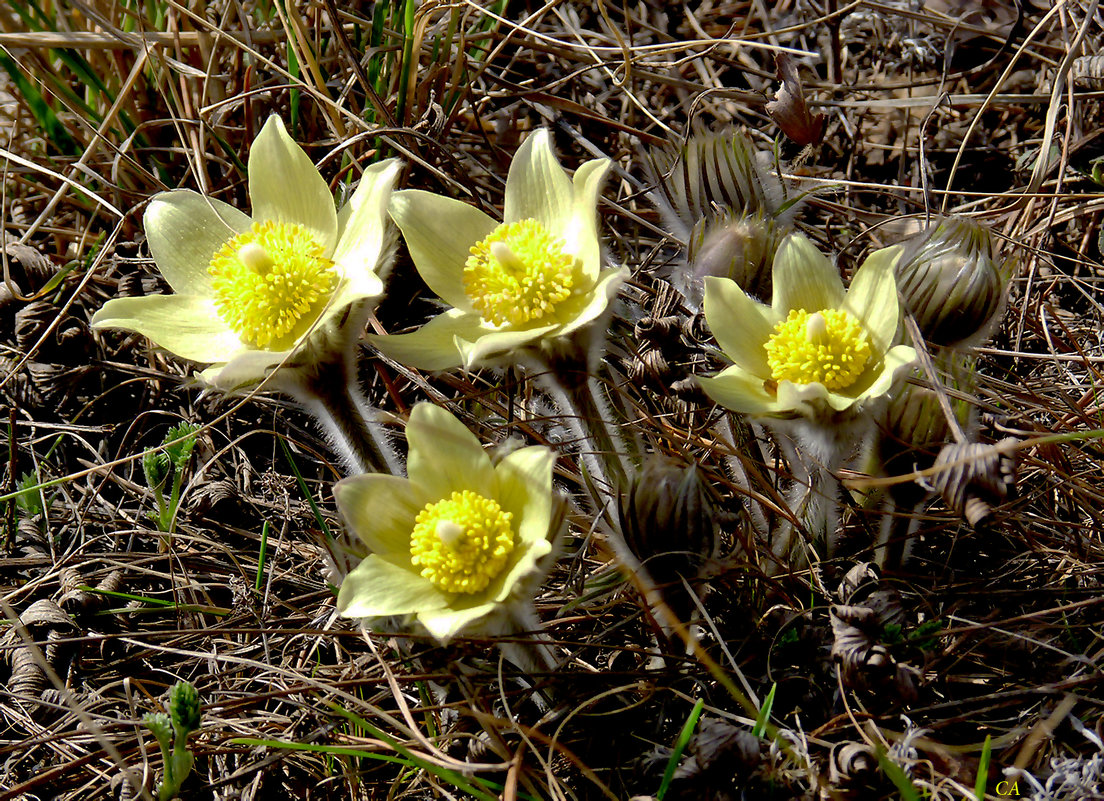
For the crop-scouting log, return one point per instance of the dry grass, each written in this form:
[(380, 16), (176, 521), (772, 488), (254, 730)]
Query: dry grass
[(996, 632)]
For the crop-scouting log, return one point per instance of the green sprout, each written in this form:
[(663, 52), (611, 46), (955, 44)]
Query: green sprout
[(165, 467), (171, 732)]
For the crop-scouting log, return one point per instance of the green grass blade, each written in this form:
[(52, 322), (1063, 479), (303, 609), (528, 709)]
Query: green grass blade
[(983, 769), (261, 556), (680, 746), (763, 718), (896, 775), (306, 492)]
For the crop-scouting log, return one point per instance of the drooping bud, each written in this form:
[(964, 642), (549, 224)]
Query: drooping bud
[(668, 519), (950, 282)]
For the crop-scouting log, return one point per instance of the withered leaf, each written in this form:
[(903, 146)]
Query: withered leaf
[(789, 110)]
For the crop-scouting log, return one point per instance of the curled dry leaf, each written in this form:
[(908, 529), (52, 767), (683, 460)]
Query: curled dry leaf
[(974, 477), (789, 110)]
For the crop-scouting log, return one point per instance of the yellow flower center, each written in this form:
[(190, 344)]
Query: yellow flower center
[(518, 274), (462, 542), (826, 347), (268, 279)]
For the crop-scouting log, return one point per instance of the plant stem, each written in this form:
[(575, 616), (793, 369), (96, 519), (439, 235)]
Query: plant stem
[(331, 396)]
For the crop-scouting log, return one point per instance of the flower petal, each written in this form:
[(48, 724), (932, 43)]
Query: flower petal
[(872, 298), (605, 290), (245, 370), (444, 456), (490, 343), (537, 187), (739, 391), (580, 236), (284, 185), (365, 222), (440, 233), (523, 561), (378, 588), (433, 346), (444, 624), (380, 510), (740, 325), (187, 325), (184, 230), (898, 360), (804, 278), (525, 490)]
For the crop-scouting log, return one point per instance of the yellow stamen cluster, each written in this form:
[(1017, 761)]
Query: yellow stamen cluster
[(826, 347), (268, 279), (518, 274), (462, 542)]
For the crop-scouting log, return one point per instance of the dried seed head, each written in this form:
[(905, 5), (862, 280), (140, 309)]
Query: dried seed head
[(950, 282), (850, 762), (974, 477), (668, 520)]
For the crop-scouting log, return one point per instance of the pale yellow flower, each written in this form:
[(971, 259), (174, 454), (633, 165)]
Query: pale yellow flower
[(534, 276), (252, 291), (455, 542), (818, 349)]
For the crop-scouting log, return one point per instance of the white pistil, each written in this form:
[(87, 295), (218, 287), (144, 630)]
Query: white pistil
[(255, 257), (816, 328), (448, 532), (506, 258)]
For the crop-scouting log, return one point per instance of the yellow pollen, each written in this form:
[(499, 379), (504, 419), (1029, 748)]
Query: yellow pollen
[(827, 347), (268, 279), (462, 542), (518, 274)]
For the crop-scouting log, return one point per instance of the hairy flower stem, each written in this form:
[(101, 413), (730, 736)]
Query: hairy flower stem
[(814, 452), (331, 395), (586, 413)]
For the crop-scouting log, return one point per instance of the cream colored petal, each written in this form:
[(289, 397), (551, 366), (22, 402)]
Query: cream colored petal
[(537, 188), (380, 510), (247, 369), (490, 344), (444, 456), (184, 230), (580, 234), (434, 345), (523, 561), (735, 389), (899, 360), (872, 298), (609, 283), (186, 325), (804, 278), (364, 221), (525, 490), (358, 285), (284, 185), (741, 326), (809, 399), (439, 233), (444, 624), (379, 588)]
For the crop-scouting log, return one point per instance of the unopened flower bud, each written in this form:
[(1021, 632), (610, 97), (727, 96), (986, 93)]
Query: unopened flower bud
[(668, 520), (740, 248), (184, 708), (950, 282)]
